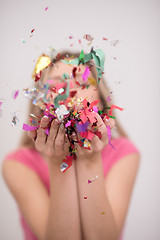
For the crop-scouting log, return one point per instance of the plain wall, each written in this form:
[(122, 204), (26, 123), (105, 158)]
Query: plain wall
[(133, 78)]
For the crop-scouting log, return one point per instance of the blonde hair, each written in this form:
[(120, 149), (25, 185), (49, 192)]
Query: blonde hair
[(103, 90)]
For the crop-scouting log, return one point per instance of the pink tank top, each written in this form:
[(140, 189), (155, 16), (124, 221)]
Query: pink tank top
[(33, 159)]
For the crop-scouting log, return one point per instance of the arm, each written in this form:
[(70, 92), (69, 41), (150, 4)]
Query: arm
[(96, 225), (104, 211), (63, 219)]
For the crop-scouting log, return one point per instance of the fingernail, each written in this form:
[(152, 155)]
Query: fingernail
[(62, 126), (56, 121), (45, 118)]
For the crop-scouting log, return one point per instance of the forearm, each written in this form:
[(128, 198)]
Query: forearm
[(63, 220), (96, 214)]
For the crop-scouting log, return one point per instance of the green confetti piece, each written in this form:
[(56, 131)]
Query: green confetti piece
[(62, 96), (100, 112), (81, 57), (23, 41), (111, 116), (65, 75), (87, 57)]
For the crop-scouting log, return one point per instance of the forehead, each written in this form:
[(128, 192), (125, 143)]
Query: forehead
[(59, 68)]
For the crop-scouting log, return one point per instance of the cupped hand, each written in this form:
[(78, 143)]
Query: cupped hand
[(96, 144), (56, 144)]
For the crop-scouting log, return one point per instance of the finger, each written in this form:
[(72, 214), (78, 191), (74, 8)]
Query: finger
[(76, 144), (59, 141), (102, 128), (32, 134), (52, 133), (66, 145), (109, 122), (41, 135)]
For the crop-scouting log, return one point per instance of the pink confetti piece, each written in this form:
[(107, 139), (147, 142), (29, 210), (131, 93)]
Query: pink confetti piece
[(46, 9), (93, 103), (95, 109), (92, 179), (86, 74), (114, 107), (108, 99), (27, 127), (68, 124), (15, 94), (90, 135), (47, 131), (109, 136)]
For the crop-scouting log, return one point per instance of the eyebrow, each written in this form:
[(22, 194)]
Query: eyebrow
[(56, 77)]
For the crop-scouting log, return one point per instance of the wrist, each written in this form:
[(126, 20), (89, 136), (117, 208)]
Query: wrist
[(90, 160)]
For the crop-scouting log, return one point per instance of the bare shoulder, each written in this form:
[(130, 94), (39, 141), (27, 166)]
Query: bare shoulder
[(119, 184), (30, 194)]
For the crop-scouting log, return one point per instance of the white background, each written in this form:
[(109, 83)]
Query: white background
[(133, 77)]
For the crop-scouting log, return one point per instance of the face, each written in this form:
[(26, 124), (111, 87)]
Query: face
[(54, 76)]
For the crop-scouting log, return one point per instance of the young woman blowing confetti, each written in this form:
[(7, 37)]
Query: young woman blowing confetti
[(71, 179)]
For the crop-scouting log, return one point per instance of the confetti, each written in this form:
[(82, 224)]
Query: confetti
[(14, 120), (76, 113), (86, 74), (92, 179), (63, 167), (97, 55), (114, 43), (32, 30), (108, 99), (103, 213), (42, 62), (46, 9), (88, 37), (67, 162), (27, 127), (15, 94), (23, 40), (61, 111)]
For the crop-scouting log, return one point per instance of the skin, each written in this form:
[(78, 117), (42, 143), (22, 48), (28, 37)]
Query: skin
[(65, 213)]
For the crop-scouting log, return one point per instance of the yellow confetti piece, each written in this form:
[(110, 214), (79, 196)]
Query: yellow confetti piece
[(102, 213), (92, 81), (86, 144), (42, 62)]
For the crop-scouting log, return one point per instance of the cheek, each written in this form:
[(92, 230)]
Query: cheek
[(91, 95)]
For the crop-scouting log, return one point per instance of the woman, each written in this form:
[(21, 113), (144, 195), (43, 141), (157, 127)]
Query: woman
[(91, 198)]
